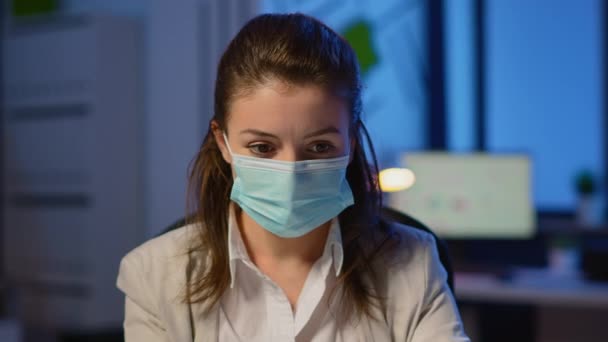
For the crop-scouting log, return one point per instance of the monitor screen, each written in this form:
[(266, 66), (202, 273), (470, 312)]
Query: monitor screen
[(469, 196)]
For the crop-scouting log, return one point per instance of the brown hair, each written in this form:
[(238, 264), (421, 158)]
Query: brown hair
[(298, 50)]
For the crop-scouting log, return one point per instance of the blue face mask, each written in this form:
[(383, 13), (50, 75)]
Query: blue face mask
[(290, 199)]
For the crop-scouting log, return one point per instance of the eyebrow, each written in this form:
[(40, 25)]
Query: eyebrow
[(258, 133), (330, 129)]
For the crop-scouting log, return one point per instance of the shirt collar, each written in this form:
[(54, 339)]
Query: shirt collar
[(237, 251)]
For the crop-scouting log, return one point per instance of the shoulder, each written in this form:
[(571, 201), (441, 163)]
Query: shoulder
[(416, 290), (407, 245), (406, 272), (411, 235), (154, 277), (411, 261), (156, 267), (161, 250)]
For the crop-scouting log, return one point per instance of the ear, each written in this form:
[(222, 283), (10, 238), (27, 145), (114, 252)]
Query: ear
[(218, 135)]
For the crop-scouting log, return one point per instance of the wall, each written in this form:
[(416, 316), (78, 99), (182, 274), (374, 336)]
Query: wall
[(544, 90), (182, 44)]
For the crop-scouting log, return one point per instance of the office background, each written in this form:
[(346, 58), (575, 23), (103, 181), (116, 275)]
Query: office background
[(497, 76)]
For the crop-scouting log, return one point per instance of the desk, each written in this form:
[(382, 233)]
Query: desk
[(535, 287), (569, 307)]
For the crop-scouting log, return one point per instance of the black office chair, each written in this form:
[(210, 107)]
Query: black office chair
[(388, 215)]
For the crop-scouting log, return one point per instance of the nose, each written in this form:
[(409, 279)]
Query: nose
[(290, 154)]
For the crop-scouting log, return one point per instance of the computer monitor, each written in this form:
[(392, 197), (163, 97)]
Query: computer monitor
[(469, 196)]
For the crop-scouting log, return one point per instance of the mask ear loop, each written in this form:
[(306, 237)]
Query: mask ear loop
[(226, 142)]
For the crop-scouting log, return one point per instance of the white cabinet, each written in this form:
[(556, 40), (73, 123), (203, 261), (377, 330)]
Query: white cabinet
[(71, 149)]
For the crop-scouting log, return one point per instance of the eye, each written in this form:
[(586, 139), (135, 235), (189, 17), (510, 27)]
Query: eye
[(321, 148), (261, 148)]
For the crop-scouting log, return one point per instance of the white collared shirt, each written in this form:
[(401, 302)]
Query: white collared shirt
[(254, 308), (419, 305)]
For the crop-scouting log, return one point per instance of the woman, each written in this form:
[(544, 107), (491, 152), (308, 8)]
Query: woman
[(286, 243)]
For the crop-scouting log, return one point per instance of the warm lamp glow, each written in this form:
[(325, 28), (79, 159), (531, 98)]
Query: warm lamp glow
[(395, 179)]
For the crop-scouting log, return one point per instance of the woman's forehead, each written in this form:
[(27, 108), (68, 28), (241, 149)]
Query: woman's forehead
[(280, 108)]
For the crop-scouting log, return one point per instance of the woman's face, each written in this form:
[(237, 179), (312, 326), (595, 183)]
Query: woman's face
[(287, 123)]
